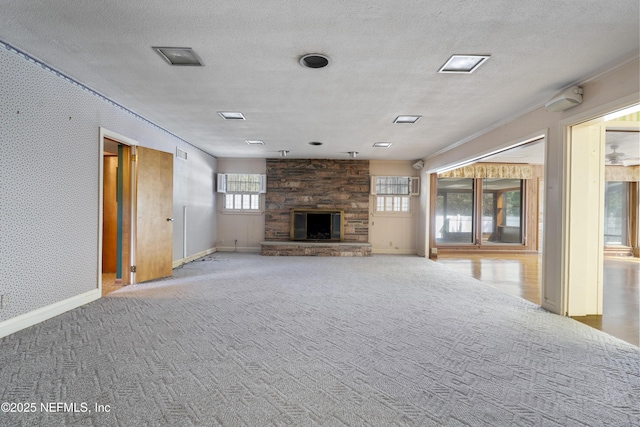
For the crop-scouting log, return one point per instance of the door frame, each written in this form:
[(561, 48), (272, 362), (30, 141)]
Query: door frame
[(568, 258), (585, 225), (121, 139)]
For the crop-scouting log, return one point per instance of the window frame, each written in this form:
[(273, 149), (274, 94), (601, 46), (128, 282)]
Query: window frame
[(472, 194), (413, 189), (222, 187), (392, 199), (477, 218)]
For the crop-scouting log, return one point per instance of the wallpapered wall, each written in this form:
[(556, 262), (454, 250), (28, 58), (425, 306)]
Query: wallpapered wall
[(49, 183)]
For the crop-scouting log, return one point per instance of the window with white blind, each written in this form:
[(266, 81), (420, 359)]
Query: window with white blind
[(242, 191), (393, 193)]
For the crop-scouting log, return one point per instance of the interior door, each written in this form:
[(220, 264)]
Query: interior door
[(154, 212)]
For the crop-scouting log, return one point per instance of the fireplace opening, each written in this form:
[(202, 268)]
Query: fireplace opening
[(317, 224)]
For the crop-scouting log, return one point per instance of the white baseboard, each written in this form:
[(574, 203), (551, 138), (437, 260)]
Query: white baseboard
[(246, 249), (193, 257), (31, 318)]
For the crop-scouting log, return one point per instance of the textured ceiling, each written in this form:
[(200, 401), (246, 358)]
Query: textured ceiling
[(384, 61)]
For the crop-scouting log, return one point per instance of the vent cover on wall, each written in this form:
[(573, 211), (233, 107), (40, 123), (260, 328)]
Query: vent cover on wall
[(181, 154)]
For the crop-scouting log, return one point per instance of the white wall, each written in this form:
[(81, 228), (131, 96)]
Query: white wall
[(615, 89), (394, 233), (194, 188), (49, 189), (241, 232)]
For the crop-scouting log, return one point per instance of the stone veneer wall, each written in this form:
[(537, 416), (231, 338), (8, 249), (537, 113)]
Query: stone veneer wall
[(317, 184)]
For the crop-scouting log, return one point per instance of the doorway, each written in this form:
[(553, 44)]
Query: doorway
[(491, 204), (116, 216), (136, 212), (602, 199)]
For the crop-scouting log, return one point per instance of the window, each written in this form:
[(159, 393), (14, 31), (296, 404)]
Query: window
[(242, 191), (454, 210), (497, 221), (241, 183), (501, 210), (615, 213), (393, 193), (243, 202), (392, 203)]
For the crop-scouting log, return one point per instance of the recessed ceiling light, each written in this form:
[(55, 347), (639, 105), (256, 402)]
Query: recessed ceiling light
[(314, 60), (407, 119), (382, 144), (231, 115), (315, 143), (178, 55), (463, 63), (254, 142)]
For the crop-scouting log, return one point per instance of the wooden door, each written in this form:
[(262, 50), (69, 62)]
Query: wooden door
[(154, 212), (110, 214)]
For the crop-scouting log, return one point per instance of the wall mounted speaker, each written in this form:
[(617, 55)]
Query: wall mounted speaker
[(418, 164), (567, 99)]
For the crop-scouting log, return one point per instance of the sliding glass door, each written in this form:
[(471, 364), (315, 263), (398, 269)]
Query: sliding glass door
[(454, 211), (615, 213), (501, 211), (476, 211)]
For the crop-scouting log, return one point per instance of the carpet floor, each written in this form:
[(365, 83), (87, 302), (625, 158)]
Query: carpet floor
[(244, 340)]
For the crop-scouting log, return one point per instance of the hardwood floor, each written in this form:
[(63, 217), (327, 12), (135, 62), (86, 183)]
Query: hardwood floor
[(520, 275), (109, 283)]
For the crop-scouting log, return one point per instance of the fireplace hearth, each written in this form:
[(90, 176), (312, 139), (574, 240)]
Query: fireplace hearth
[(313, 225)]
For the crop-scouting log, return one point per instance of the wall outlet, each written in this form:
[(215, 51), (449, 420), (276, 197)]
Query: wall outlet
[(434, 251)]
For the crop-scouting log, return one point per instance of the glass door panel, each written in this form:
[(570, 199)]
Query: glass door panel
[(454, 211), (615, 213), (501, 211)]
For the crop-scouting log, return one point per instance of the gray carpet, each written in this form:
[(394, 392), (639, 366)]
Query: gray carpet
[(245, 340)]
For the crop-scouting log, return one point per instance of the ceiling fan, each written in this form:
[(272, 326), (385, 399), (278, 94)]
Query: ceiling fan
[(616, 158)]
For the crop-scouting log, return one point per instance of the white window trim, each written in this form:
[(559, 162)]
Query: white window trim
[(222, 188), (414, 190), (234, 211), (408, 212)]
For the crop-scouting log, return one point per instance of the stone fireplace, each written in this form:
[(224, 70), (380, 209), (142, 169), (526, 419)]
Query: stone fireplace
[(317, 225), (317, 207)]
